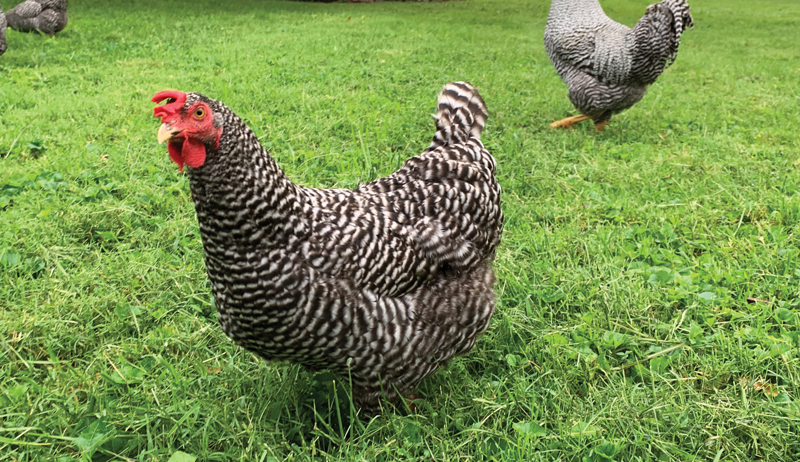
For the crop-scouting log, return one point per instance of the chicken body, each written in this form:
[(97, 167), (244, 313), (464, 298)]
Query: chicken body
[(382, 284), (607, 66), (46, 16), (3, 25)]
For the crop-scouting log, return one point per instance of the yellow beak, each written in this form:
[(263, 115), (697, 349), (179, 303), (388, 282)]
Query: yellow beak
[(166, 133)]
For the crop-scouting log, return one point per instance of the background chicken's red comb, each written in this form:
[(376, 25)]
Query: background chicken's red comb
[(169, 108)]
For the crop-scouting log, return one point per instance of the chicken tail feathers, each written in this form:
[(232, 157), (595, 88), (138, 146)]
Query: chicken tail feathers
[(460, 115), (681, 20), (657, 37)]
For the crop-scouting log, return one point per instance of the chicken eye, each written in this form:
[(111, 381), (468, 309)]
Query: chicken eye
[(199, 113)]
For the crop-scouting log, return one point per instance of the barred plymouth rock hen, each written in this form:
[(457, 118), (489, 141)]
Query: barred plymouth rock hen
[(2, 32), (382, 284), (608, 66), (45, 16)]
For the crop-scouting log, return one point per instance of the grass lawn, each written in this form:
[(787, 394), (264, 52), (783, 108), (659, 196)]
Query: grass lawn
[(623, 331)]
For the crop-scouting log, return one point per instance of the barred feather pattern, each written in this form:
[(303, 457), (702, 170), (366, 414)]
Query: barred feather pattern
[(607, 66), (382, 284), (3, 25), (45, 16)]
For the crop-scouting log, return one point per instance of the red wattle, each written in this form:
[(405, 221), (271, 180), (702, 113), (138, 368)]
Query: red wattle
[(175, 155), (194, 153), (191, 152)]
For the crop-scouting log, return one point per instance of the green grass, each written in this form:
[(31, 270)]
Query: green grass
[(623, 331)]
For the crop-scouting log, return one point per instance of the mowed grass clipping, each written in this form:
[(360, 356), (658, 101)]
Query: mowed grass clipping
[(623, 331)]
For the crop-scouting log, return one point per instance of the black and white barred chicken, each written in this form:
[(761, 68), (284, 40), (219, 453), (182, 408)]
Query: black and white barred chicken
[(608, 66), (3, 25), (382, 284), (45, 16)]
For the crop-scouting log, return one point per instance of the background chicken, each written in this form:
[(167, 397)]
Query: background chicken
[(46, 16), (2, 32), (608, 66), (382, 284)]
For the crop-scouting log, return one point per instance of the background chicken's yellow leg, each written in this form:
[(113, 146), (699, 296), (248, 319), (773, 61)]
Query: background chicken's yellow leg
[(569, 121)]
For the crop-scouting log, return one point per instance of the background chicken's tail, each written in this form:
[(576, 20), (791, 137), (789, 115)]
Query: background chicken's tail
[(681, 20), (460, 114), (657, 37)]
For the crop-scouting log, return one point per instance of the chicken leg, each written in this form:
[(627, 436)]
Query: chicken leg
[(412, 406), (601, 126), (569, 121)]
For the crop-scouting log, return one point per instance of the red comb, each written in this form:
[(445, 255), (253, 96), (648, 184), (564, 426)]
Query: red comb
[(172, 107)]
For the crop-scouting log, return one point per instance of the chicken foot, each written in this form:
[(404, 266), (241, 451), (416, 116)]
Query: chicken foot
[(569, 121), (412, 406)]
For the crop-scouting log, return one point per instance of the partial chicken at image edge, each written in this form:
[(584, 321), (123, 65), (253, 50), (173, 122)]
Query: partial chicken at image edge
[(3, 25), (381, 284), (607, 66)]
